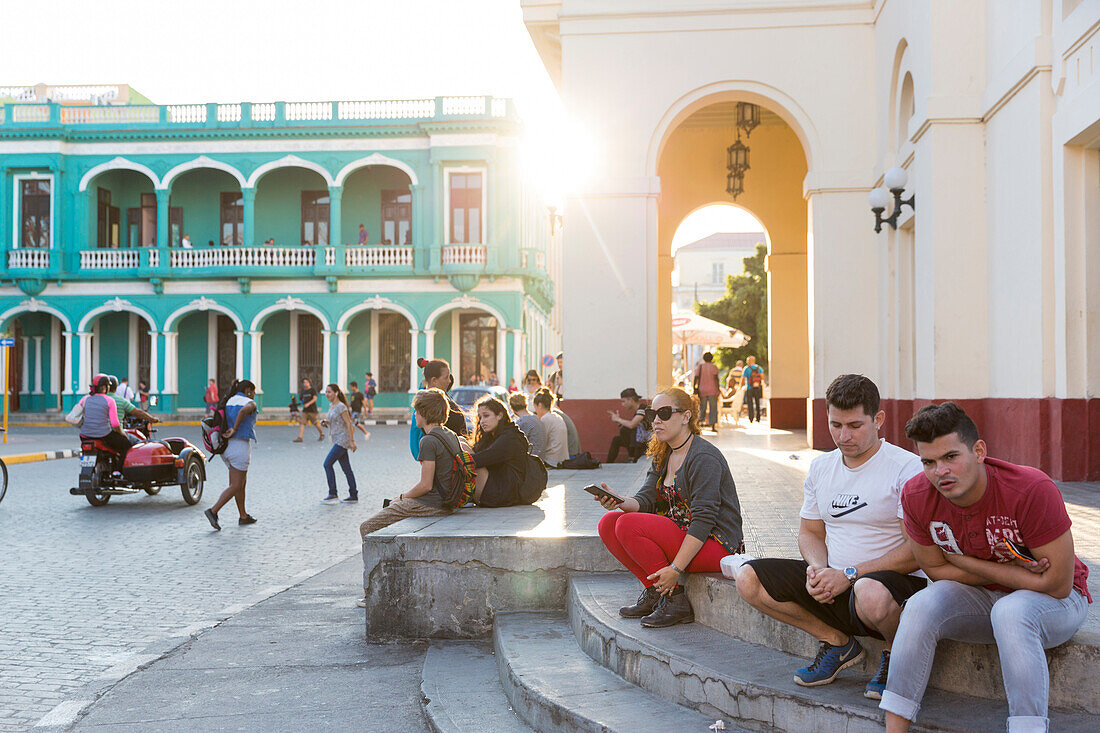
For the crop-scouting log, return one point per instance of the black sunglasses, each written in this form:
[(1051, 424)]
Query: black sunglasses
[(664, 413)]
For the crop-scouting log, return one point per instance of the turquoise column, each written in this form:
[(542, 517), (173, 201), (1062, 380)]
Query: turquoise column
[(335, 236), (494, 219), (81, 223), (248, 216), (5, 227), (419, 236), (163, 197), (435, 213)]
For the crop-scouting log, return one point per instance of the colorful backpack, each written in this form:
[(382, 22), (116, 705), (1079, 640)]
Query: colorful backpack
[(463, 480)]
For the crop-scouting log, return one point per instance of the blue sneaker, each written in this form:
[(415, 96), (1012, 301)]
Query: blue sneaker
[(829, 662), (878, 683)]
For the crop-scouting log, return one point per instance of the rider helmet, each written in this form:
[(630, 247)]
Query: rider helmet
[(95, 381), (99, 381), (113, 382)]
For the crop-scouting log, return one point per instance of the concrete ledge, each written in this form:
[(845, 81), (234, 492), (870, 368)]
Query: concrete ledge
[(446, 577), (971, 669), (458, 673)]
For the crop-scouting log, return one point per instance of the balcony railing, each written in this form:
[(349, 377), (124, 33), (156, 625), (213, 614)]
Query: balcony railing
[(464, 254), (109, 259), (242, 257), (260, 114), (379, 257), (28, 259)]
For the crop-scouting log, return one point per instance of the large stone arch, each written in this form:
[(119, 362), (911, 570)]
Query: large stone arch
[(376, 303), (199, 305), (116, 305), (466, 303), (289, 304), (202, 162), (376, 159), (289, 161), (119, 163), (34, 305)]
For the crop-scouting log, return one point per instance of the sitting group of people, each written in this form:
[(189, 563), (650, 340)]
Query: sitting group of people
[(877, 524)]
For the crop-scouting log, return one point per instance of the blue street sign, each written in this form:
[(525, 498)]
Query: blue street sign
[(547, 361), (7, 342)]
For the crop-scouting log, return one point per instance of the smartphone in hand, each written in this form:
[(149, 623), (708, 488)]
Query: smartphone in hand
[(600, 492), (1009, 550)]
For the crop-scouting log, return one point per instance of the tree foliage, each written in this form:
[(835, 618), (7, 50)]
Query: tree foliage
[(745, 307)]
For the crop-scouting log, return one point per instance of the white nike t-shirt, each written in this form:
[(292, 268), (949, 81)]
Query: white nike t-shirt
[(860, 507)]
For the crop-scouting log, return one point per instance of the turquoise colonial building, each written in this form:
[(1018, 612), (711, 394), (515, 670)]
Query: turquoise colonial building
[(176, 244)]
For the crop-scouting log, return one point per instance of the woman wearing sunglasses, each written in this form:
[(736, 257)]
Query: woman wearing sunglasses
[(685, 518)]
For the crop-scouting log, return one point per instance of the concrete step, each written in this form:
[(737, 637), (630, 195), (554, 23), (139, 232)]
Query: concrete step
[(462, 691), (721, 676), (970, 669), (554, 686)]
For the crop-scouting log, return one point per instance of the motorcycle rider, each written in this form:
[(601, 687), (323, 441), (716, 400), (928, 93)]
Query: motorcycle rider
[(125, 407), (101, 418)]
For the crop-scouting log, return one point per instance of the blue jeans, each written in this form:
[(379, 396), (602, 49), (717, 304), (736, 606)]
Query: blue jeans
[(339, 454), (1022, 624)]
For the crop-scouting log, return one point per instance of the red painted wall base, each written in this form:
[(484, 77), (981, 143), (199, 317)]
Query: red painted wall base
[(787, 413), (593, 423), (1058, 436)]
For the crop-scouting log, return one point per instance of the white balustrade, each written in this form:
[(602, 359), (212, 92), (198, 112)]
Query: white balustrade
[(500, 107), (309, 110), (384, 256), (100, 115), (464, 254), (263, 112), (464, 105), (186, 113), (330, 256), (29, 259), (82, 92), (109, 259), (396, 109), (30, 113), (154, 258), (229, 113), (189, 259)]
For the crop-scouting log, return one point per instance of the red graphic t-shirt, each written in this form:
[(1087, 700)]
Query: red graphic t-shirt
[(1020, 503)]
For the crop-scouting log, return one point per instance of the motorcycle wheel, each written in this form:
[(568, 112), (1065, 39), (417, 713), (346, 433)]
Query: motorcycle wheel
[(151, 490), (98, 499), (191, 488)]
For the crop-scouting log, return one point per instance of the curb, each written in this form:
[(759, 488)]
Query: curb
[(51, 455), (68, 712)]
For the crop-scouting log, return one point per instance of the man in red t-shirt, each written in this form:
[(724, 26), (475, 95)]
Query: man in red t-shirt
[(959, 514)]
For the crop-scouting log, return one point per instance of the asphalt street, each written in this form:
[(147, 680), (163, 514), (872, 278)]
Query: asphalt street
[(83, 589)]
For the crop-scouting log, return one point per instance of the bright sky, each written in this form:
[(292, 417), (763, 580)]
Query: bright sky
[(711, 219), (269, 50)]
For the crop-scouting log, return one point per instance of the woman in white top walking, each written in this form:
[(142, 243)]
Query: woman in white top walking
[(342, 432)]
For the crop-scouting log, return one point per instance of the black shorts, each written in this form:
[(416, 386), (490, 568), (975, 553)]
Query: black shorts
[(785, 581)]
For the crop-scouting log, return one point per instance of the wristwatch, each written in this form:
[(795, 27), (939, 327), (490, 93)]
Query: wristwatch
[(851, 574)]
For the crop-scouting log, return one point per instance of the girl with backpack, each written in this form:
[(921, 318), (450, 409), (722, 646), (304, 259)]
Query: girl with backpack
[(500, 455), (240, 414), (439, 447), (342, 432), (437, 375)]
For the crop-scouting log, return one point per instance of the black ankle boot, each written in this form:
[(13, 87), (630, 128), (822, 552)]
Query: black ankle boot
[(647, 601), (671, 610)]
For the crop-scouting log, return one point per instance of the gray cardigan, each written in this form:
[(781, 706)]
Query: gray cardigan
[(705, 482)]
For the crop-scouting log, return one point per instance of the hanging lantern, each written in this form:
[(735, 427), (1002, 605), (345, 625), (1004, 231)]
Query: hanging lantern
[(735, 184), (737, 157), (747, 117)]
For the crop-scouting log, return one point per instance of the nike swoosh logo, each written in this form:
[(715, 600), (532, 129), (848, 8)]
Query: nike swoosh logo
[(848, 511)]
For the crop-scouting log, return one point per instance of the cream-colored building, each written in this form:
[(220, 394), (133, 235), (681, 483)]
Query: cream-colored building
[(701, 267), (987, 293)]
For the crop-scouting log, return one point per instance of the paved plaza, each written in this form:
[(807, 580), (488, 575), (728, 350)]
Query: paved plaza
[(90, 593)]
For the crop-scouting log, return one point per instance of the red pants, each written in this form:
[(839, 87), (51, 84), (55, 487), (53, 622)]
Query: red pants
[(645, 543)]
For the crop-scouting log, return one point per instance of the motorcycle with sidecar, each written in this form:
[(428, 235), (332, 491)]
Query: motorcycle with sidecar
[(148, 466)]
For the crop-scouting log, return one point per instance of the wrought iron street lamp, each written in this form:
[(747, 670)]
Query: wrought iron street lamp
[(735, 184), (895, 180), (737, 162), (747, 117)]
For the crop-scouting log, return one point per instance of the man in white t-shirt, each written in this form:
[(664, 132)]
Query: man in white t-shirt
[(857, 570)]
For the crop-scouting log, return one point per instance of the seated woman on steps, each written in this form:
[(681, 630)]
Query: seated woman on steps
[(500, 455), (685, 518)]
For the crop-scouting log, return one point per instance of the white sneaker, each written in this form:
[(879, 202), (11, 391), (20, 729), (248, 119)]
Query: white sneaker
[(362, 603), (330, 500)]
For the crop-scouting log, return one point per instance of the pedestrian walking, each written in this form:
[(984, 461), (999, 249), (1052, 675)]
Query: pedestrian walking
[(240, 413), (308, 416), (753, 381), (355, 399), (124, 390), (342, 431), (143, 394), (707, 390), (370, 390), (211, 397)]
